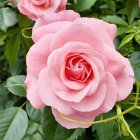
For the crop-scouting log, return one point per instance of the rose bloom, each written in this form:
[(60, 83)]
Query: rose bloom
[(37, 8), (74, 68)]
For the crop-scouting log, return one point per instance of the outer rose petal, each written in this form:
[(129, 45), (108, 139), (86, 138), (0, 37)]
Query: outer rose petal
[(66, 15), (76, 116), (37, 56), (51, 28), (77, 32), (107, 31), (33, 93), (125, 81), (122, 70), (116, 62), (23, 8), (111, 28), (111, 95)]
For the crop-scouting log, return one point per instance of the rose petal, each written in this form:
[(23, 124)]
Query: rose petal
[(74, 85), (37, 56), (32, 92), (98, 80), (48, 96), (48, 29), (91, 103), (111, 95), (66, 15), (125, 81), (62, 5), (37, 9), (106, 33), (77, 32), (122, 70), (116, 62), (24, 9), (76, 116)]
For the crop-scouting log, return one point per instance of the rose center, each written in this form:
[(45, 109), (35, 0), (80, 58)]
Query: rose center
[(77, 68), (41, 2)]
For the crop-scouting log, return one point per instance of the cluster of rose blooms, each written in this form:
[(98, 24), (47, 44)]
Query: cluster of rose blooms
[(73, 66)]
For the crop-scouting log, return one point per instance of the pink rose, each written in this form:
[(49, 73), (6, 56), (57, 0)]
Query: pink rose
[(37, 8), (74, 68)]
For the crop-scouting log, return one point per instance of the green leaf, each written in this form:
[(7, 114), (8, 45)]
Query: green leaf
[(137, 38), (124, 138), (62, 133), (16, 68), (121, 30), (33, 113), (127, 39), (49, 124), (111, 4), (36, 136), (33, 131), (13, 124), (75, 1), (32, 128), (83, 5), (132, 9), (24, 21), (105, 130), (135, 62), (131, 30), (13, 47), (16, 85), (115, 20), (26, 44), (52, 130), (76, 134), (2, 37), (125, 105), (8, 18), (136, 129), (26, 138)]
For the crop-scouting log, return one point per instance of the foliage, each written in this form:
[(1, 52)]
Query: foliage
[(20, 121)]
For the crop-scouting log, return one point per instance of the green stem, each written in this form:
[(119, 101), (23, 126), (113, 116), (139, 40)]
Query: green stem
[(122, 120), (137, 93), (24, 35), (24, 104), (101, 121), (128, 129), (138, 107), (101, 116)]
